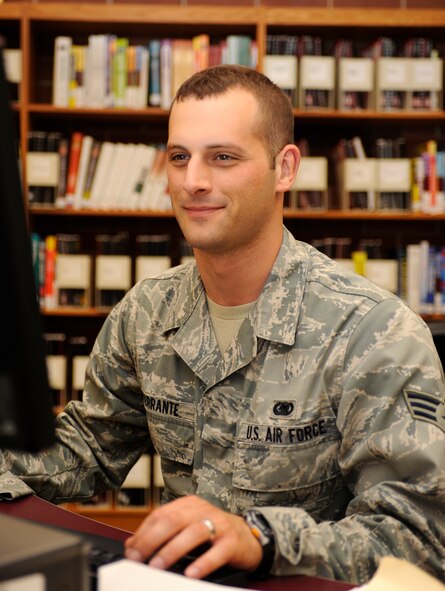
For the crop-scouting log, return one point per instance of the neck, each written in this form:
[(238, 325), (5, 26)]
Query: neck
[(233, 280)]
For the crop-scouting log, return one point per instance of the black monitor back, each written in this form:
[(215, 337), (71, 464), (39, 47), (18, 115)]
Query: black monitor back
[(26, 417)]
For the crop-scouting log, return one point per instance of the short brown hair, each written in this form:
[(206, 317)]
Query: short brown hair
[(276, 127)]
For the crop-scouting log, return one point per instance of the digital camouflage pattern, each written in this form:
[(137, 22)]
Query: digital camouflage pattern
[(312, 414)]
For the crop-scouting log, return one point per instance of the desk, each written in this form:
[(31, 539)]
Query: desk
[(41, 511)]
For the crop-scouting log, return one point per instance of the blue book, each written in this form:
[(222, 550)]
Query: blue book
[(154, 93)]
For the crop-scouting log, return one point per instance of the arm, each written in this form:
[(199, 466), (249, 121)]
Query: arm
[(393, 463), (99, 439)]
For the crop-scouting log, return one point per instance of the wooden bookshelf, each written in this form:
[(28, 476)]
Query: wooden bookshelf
[(33, 26)]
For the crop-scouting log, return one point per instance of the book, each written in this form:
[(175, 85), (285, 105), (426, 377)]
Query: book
[(120, 67), (82, 171), (97, 65), (91, 170), (73, 166), (135, 197), (50, 288), (201, 52), (77, 79), (154, 94), (62, 71), (103, 168), (64, 147), (166, 73)]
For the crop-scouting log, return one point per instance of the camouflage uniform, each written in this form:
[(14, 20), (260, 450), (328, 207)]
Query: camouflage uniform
[(327, 412)]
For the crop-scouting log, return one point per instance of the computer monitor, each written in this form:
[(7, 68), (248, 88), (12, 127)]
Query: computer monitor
[(26, 415)]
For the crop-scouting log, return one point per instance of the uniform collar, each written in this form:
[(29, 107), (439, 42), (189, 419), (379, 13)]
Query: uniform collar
[(276, 313)]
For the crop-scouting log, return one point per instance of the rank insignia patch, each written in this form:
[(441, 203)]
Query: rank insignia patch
[(426, 407)]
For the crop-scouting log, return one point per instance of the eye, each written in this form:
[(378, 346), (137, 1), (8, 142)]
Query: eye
[(178, 157), (224, 158)]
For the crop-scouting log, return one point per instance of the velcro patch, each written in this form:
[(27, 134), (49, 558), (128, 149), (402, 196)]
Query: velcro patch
[(426, 407)]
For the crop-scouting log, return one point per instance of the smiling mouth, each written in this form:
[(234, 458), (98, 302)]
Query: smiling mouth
[(202, 210)]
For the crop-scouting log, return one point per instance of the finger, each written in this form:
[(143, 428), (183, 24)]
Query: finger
[(150, 538), (183, 543), (217, 556)]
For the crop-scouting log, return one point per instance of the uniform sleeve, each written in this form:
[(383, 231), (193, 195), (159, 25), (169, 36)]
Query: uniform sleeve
[(98, 439), (392, 425)]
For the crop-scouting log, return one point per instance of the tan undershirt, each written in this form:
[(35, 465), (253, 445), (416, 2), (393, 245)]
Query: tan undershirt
[(226, 321)]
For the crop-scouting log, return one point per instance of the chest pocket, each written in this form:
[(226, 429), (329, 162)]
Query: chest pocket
[(288, 466), (171, 424)]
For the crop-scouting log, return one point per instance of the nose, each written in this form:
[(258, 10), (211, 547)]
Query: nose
[(197, 177)]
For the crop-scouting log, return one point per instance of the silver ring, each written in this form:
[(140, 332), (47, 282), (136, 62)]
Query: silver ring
[(211, 527)]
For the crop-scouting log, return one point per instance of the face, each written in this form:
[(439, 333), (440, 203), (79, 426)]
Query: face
[(222, 187)]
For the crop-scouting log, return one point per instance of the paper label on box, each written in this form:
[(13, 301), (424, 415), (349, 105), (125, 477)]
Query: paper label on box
[(393, 174), (356, 74), (312, 175), (140, 474), (359, 175), (317, 72), (42, 169), (34, 582), (282, 70), (73, 271), (13, 65), (113, 272), (393, 73), (80, 363), (150, 266), (426, 74), (383, 273), (56, 365)]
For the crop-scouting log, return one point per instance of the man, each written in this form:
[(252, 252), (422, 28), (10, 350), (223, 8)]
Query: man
[(285, 396)]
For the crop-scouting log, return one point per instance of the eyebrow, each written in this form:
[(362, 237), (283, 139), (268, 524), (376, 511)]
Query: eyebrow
[(228, 146)]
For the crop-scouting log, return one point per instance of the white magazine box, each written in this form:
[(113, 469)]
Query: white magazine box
[(282, 70), (355, 75), (393, 174), (316, 82), (113, 272), (311, 179), (425, 84), (42, 169), (392, 83), (357, 175), (150, 266), (383, 272)]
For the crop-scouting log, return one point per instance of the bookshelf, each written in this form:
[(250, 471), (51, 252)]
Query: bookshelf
[(33, 27)]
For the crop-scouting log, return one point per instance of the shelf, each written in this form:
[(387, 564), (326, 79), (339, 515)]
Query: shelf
[(76, 312), (332, 214), (355, 17), (337, 214), (51, 211), (162, 114)]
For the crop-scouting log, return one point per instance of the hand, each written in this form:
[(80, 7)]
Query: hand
[(173, 530)]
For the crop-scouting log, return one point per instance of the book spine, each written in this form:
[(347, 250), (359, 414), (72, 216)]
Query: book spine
[(62, 71), (63, 172), (92, 165), (166, 73), (50, 289), (154, 97), (84, 159), (73, 166)]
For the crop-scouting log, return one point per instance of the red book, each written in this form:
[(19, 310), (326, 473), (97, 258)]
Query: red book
[(73, 166)]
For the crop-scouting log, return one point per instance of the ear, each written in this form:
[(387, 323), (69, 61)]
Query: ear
[(287, 163)]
